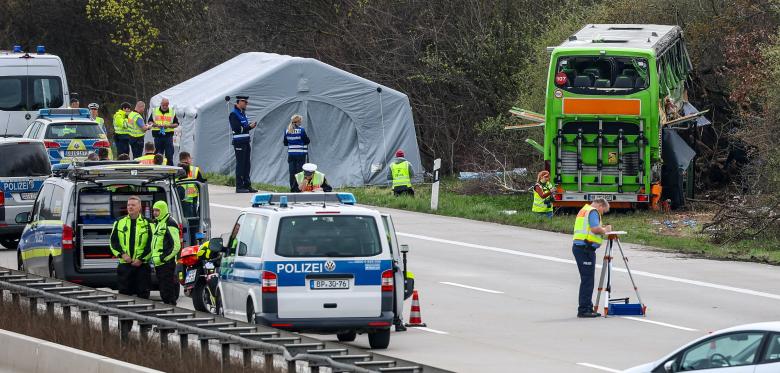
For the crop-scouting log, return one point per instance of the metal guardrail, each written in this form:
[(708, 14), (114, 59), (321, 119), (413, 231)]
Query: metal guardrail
[(167, 321)]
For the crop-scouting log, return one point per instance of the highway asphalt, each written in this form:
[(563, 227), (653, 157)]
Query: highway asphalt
[(498, 298)]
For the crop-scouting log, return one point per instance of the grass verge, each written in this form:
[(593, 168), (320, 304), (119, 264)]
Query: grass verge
[(676, 232)]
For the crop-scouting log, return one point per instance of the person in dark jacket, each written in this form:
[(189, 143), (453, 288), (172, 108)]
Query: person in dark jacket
[(240, 126), (297, 143), (166, 244)]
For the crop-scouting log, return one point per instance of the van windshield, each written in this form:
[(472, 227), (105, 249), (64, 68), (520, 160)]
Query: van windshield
[(328, 236), (24, 159), (29, 93)]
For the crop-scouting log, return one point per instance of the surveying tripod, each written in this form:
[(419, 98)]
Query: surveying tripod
[(611, 306)]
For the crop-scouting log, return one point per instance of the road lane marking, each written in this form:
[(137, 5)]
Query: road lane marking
[(429, 330), (472, 287), (599, 367), (660, 323), (569, 261)]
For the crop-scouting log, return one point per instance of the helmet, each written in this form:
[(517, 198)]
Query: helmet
[(93, 106)]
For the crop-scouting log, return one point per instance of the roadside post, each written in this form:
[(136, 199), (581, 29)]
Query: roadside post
[(435, 187)]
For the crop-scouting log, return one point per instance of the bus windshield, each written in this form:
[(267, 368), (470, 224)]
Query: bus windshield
[(601, 75)]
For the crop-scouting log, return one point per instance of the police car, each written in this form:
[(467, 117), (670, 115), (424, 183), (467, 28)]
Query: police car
[(68, 134), (313, 262), (68, 230), (23, 168)]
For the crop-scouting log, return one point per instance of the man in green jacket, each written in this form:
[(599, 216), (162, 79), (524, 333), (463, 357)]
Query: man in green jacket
[(130, 242), (166, 244), (121, 137)]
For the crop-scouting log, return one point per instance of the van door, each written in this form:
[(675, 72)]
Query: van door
[(330, 266), (398, 275), (194, 197), (227, 280)]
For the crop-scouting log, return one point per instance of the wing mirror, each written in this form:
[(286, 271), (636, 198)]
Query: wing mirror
[(669, 366), (404, 248), (215, 244), (23, 218), (241, 249)]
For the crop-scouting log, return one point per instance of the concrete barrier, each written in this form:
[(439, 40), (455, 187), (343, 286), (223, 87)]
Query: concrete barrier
[(21, 353)]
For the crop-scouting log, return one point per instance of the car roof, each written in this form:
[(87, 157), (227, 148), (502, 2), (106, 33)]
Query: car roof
[(74, 120), (309, 209), (16, 140), (772, 326)]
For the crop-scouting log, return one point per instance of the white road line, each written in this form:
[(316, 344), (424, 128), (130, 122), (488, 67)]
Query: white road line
[(660, 323), (429, 330), (471, 287), (599, 367), (569, 261)]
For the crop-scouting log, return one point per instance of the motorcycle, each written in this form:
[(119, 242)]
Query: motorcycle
[(199, 275)]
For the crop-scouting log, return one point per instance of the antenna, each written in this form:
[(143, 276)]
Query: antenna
[(8, 121)]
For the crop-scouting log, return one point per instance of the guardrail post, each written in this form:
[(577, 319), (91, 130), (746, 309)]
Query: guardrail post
[(225, 356), (247, 355), (15, 298), (66, 312), (124, 331), (204, 350), (144, 329), (50, 309), (104, 325), (84, 319), (183, 344), (292, 366), (33, 305), (268, 365), (164, 338)]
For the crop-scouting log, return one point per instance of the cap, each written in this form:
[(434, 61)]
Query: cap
[(74, 99), (309, 168), (239, 98), (399, 153), (93, 106)]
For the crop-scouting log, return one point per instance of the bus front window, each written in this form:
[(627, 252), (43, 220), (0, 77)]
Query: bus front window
[(602, 75)]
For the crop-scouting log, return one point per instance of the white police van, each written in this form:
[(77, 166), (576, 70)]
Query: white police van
[(313, 262)]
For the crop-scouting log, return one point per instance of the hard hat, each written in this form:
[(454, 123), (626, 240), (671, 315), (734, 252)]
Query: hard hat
[(309, 168), (93, 106)]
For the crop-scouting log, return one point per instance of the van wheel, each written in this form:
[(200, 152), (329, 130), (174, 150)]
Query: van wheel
[(9, 243), (250, 312), (19, 261), (379, 339), (347, 337)]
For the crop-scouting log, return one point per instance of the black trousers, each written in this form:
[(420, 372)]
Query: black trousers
[(169, 285), (164, 145), (295, 165), (403, 190), (134, 280), (243, 153), (122, 142), (137, 146), (586, 264)]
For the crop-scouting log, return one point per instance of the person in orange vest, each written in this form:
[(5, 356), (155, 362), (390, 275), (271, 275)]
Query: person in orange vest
[(164, 121), (588, 236), (149, 152)]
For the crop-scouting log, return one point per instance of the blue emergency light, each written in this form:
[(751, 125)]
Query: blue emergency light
[(40, 49), (284, 199), (347, 198), (17, 49), (70, 113), (261, 199)]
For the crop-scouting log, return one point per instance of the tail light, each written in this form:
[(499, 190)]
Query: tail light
[(67, 237), (2, 198), (642, 198), (102, 144), (387, 280), (558, 197), (269, 281), (51, 145), (189, 256)]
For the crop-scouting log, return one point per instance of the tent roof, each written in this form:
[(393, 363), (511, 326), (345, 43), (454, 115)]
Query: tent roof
[(233, 76)]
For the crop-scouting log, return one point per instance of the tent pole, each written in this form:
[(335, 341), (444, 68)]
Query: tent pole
[(382, 115)]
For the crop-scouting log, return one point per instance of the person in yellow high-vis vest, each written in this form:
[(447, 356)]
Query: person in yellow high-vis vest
[(130, 241), (164, 122), (189, 201), (588, 236), (400, 175), (121, 138), (311, 180), (136, 128), (543, 195), (149, 154)]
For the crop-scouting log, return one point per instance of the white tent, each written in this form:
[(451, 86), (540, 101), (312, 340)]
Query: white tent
[(355, 125)]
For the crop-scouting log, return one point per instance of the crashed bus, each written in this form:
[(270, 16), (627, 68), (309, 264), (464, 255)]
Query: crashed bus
[(615, 103)]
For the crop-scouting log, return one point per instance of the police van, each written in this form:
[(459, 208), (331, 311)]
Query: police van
[(314, 262), (67, 232), (29, 82)]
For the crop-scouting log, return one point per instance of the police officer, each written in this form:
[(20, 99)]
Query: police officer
[(240, 126), (543, 195), (191, 193), (136, 128), (401, 175), (297, 143), (588, 233), (121, 136), (93, 114), (149, 153), (311, 180), (165, 248), (164, 121), (130, 242)]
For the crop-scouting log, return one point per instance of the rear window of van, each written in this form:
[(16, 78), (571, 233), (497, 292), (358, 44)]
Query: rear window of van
[(328, 236)]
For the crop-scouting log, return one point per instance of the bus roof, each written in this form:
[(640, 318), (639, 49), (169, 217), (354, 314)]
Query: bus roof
[(650, 37)]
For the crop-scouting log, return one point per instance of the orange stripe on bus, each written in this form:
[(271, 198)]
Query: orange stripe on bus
[(602, 106)]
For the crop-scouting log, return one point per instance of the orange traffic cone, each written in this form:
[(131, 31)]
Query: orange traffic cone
[(415, 318)]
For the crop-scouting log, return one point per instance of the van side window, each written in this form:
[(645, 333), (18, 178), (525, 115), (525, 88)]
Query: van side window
[(232, 241), (55, 203), (38, 211), (245, 234), (46, 92), (256, 247)]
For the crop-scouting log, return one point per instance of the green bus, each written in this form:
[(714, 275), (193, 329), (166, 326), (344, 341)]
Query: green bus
[(613, 91)]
